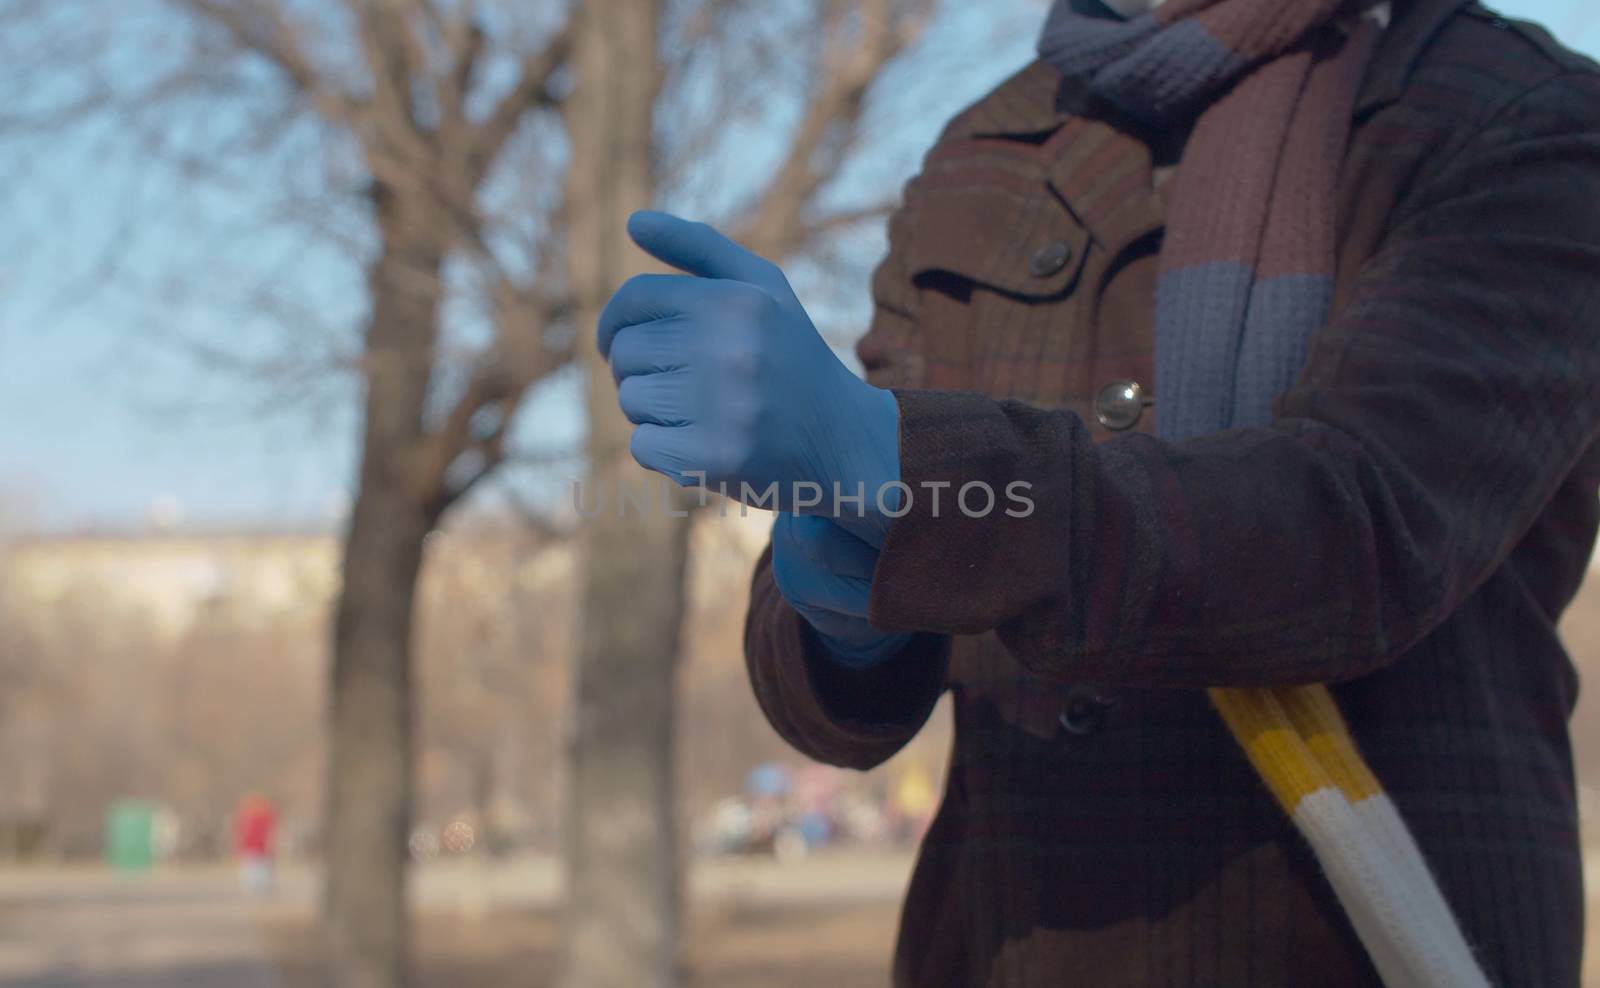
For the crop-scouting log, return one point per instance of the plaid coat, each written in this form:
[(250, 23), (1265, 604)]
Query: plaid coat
[(1409, 528)]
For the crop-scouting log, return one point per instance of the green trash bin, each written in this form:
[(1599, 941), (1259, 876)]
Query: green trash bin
[(130, 835)]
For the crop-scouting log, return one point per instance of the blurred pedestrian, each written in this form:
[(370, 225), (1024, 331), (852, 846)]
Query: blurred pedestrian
[(255, 826), (914, 801)]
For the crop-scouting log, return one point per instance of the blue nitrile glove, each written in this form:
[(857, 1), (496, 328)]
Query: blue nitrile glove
[(723, 372), (825, 574)]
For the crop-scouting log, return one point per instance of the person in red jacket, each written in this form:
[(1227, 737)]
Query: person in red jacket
[(255, 825)]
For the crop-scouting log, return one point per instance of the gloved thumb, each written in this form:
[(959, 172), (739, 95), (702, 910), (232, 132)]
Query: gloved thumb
[(699, 249)]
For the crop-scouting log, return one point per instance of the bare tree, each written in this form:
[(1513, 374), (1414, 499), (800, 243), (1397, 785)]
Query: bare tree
[(622, 923), (429, 159), (418, 109), (483, 156)]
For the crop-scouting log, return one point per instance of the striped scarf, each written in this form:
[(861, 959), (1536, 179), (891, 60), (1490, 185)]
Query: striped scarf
[(1246, 276)]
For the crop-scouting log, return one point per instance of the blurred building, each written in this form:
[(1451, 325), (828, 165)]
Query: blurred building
[(169, 580), (189, 668)]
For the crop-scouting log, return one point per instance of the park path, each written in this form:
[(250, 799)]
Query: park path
[(191, 927), (91, 929)]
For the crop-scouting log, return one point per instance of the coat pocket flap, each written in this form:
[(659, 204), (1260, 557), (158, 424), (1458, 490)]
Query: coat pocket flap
[(979, 233)]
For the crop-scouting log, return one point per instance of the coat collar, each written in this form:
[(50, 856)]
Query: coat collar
[(1416, 23), (1029, 102)]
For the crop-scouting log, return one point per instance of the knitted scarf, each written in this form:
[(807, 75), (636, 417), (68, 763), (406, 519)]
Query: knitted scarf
[(1246, 276)]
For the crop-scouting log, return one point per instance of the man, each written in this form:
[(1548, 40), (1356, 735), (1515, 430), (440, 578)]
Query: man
[(1238, 344)]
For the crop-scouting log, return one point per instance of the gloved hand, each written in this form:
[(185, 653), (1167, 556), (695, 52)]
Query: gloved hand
[(722, 372), (825, 574)]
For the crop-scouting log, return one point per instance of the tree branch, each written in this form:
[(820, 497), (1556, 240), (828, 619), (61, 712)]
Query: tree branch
[(464, 40), (395, 61), (832, 121), (263, 28), (532, 88), (503, 376)]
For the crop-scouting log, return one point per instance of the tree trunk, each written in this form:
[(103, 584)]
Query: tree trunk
[(368, 810), (623, 885)]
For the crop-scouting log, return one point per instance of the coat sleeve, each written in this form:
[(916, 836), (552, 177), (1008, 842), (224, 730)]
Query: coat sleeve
[(1439, 412), (829, 712)]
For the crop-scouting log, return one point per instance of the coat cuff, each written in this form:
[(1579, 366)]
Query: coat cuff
[(855, 718), (988, 529)]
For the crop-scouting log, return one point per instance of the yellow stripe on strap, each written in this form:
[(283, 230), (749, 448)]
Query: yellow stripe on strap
[(1272, 743), (1317, 720), (1300, 746)]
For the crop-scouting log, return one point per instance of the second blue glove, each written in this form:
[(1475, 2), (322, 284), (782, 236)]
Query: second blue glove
[(825, 574)]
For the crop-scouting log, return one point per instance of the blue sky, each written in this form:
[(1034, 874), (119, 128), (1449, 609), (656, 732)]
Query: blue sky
[(105, 419)]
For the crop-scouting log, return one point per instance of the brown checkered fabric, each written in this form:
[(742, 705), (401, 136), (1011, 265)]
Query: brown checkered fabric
[(1410, 527)]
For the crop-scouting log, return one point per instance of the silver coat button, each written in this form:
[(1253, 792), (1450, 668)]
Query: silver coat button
[(1050, 258), (1119, 405)]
